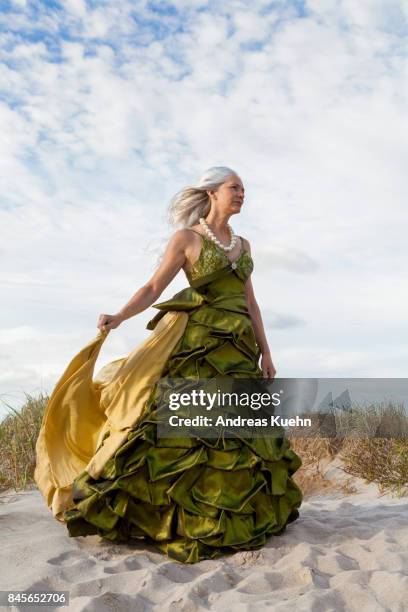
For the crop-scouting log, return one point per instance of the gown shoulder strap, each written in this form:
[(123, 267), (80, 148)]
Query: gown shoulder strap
[(243, 244), (203, 238)]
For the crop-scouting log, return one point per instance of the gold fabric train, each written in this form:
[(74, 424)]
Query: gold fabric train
[(104, 470), (82, 411)]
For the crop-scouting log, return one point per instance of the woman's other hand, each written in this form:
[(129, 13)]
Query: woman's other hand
[(268, 369), (107, 322)]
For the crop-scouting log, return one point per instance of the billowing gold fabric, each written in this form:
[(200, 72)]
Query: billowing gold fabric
[(81, 411), (193, 498)]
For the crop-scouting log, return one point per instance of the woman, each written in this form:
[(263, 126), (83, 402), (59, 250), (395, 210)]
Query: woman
[(194, 498)]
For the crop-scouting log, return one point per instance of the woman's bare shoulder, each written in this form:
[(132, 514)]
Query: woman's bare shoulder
[(187, 241), (246, 244), (190, 242), (185, 235), (189, 235), (197, 229)]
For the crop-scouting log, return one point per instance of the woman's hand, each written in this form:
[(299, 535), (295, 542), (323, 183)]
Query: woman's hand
[(107, 322), (267, 366)]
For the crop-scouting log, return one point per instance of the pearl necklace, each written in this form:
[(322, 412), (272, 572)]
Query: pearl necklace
[(214, 238)]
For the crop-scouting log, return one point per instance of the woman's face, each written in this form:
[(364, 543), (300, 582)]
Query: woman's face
[(229, 196)]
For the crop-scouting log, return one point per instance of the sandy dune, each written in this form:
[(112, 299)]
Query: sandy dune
[(345, 552)]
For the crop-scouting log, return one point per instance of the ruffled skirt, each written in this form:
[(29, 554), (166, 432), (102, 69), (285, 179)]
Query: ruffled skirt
[(193, 498)]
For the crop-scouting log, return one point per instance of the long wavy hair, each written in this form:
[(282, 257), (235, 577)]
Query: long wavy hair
[(193, 202)]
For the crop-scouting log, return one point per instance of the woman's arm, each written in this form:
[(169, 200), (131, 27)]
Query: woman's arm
[(266, 362), (255, 314), (173, 260)]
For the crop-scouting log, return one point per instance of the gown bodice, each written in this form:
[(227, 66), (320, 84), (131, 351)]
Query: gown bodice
[(213, 258), (215, 282)]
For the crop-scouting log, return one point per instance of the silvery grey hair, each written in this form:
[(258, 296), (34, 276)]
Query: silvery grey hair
[(192, 202)]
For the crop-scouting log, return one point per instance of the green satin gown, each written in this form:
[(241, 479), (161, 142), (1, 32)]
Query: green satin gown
[(196, 498)]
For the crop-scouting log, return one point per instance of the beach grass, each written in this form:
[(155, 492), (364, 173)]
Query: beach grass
[(18, 435), (362, 441), (371, 442)]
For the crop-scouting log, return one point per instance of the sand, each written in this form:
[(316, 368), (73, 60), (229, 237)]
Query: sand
[(345, 552)]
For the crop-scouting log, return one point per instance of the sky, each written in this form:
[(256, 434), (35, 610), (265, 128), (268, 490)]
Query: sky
[(107, 109)]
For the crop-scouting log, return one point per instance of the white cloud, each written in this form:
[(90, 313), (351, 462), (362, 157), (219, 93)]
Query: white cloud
[(76, 7), (250, 27), (20, 3)]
